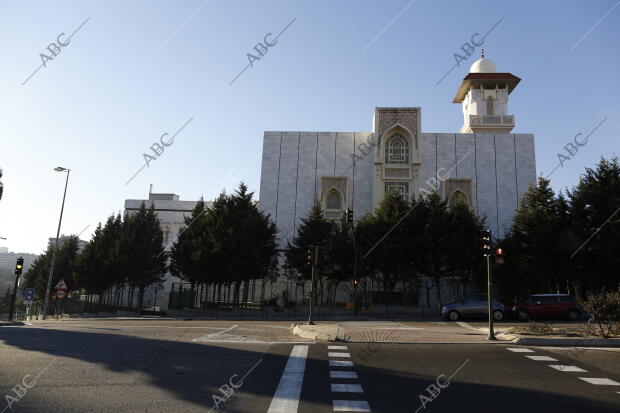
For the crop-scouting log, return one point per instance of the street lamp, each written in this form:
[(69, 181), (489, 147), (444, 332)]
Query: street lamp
[(62, 208)]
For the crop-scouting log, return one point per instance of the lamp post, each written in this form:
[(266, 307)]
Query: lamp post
[(49, 279)]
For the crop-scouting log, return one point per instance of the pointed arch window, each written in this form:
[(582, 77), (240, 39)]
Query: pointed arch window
[(397, 150), (490, 108), (333, 200), (458, 197)]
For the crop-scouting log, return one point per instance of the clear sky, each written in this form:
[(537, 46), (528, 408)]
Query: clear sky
[(138, 69)]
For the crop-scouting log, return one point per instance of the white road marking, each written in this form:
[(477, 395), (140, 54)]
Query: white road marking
[(351, 406), (213, 335), (286, 398), (343, 375), (541, 358), (520, 350), (251, 329), (340, 363), (336, 347), (600, 381), (467, 326), (341, 355), (441, 323), (562, 367), (347, 388)]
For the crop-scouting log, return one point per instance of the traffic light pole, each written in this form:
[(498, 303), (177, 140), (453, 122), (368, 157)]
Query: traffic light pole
[(354, 271), (13, 298), (313, 290), (490, 299)]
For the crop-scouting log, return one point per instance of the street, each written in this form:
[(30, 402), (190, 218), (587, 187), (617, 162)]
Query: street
[(259, 366)]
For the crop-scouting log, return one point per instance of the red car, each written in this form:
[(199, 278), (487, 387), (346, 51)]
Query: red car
[(550, 306)]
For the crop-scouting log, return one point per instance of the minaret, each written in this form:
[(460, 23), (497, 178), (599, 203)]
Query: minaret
[(484, 95)]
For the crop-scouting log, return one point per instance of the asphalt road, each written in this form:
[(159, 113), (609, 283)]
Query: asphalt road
[(243, 366)]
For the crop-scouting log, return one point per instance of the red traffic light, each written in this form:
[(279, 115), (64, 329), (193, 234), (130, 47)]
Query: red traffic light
[(499, 251)]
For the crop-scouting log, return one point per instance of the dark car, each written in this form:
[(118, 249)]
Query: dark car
[(548, 306), (472, 306)]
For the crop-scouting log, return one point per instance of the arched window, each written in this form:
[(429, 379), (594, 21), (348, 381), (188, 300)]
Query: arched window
[(458, 197), (397, 150), (490, 109), (333, 200)]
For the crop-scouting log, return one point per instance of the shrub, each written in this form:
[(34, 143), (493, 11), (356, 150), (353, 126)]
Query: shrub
[(604, 309)]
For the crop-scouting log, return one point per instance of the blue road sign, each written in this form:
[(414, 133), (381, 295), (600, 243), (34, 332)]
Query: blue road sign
[(29, 294)]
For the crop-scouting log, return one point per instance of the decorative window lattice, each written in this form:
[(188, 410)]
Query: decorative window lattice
[(458, 189), (401, 188), (397, 150), (458, 197), (490, 109), (333, 200)]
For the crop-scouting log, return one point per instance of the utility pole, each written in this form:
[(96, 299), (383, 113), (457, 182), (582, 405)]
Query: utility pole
[(49, 279), (18, 270), (314, 258)]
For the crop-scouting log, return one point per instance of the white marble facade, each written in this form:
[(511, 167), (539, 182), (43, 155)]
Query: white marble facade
[(490, 170)]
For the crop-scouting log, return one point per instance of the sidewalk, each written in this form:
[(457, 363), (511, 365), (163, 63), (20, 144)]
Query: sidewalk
[(425, 332), (435, 332)]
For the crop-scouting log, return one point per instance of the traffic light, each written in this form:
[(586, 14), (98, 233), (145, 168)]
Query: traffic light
[(349, 216), (310, 255), (499, 255), (486, 243), (19, 266)]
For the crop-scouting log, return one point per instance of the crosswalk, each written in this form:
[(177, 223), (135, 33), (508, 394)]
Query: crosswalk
[(600, 381), (351, 386)]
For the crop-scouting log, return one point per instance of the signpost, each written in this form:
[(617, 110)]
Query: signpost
[(61, 290), (29, 295)]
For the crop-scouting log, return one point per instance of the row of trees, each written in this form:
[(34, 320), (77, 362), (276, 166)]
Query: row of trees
[(557, 242), (122, 253), (569, 241), (226, 244), (394, 246)]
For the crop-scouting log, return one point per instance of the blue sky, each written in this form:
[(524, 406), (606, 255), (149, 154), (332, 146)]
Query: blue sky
[(139, 69)]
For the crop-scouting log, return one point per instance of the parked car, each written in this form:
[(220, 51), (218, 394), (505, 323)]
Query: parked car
[(473, 306), (548, 306)]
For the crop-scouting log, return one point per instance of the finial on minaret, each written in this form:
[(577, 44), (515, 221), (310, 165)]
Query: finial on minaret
[(482, 54)]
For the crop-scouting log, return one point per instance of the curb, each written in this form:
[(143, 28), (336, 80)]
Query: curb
[(12, 323), (308, 332), (569, 342)]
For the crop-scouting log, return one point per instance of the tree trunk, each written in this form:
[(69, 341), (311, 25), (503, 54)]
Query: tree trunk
[(140, 297), (437, 282)]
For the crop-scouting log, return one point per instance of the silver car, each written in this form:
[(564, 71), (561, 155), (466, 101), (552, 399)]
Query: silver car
[(474, 306)]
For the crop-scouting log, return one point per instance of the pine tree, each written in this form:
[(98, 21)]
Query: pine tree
[(143, 261), (314, 230)]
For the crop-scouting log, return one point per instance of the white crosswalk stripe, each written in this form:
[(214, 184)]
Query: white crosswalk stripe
[(340, 355), (600, 381), (351, 406), (342, 375), (520, 350), (286, 398), (562, 367), (541, 358), (337, 347), (340, 363), (347, 388)]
